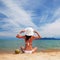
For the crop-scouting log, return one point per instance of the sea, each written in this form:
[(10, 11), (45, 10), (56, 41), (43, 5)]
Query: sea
[(8, 45)]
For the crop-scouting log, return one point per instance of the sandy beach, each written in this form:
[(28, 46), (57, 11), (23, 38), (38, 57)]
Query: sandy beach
[(42, 55)]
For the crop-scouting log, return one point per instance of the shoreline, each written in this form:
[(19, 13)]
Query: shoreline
[(47, 50), (42, 55)]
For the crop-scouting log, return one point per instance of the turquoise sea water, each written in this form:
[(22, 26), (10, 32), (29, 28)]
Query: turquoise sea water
[(11, 45)]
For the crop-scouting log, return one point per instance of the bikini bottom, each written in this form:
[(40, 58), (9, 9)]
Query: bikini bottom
[(26, 51)]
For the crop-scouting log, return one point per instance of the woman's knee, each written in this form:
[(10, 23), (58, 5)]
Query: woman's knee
[(22, 47), (35, 48)]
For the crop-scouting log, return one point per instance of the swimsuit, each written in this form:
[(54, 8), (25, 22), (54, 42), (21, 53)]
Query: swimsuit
[(28, 51), (28, 44)]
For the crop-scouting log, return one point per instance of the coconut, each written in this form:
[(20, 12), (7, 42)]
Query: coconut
[(17, 51)]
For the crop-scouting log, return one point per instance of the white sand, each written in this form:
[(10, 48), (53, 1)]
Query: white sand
[(36, 56)]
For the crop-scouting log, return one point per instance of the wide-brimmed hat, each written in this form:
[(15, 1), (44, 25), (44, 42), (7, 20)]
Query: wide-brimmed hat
[(29, 31)]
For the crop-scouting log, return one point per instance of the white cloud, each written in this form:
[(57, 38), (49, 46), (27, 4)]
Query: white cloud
[(16, 17), (18, 14), (30, 5), (57, 13), (8, 34), (51, 30)]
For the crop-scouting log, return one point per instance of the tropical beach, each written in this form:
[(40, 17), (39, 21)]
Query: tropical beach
[(48, 50), (42, 55), (43, 16)]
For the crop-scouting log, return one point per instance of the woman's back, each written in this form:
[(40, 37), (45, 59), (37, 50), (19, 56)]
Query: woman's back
[(28, 42)]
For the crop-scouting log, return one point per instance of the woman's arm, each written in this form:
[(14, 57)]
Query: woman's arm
[(38, 35), (22, 31), (19, 35)]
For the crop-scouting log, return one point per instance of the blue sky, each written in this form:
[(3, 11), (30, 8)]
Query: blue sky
[(42, 15)]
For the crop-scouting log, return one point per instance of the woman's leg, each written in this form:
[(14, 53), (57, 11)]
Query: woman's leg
[(34, 49), (22, 49)]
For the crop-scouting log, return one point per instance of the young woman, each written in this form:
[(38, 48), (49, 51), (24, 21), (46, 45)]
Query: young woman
[(29, 37)]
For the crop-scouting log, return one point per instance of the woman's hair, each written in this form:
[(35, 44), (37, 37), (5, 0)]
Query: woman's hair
[(27, 37)]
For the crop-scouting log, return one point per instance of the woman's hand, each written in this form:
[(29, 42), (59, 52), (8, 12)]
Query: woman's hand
[(22, 31), (17, 36), (38, 35), (35, 31)]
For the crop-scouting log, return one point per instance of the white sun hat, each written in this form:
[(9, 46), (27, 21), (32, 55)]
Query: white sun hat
[(29, 31)]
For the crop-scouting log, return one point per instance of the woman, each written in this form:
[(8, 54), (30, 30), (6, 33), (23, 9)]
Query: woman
[(29, 37)]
